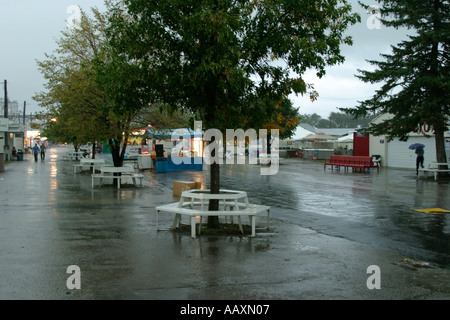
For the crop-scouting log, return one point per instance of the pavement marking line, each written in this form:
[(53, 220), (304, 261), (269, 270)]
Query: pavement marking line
[(433, 210)]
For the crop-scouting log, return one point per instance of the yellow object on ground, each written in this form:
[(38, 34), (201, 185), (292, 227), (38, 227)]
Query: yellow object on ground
[(433, 210)]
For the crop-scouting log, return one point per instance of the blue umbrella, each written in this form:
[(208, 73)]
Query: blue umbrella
[(416, 146)]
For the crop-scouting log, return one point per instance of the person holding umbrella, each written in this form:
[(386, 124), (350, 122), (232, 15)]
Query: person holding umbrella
[(419, 151), (419, 159)]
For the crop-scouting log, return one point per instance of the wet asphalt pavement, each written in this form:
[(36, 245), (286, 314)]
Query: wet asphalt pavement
[(327, 228)]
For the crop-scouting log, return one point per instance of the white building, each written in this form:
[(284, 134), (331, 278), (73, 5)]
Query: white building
[(4, 126), (303, 130), (396, 153)]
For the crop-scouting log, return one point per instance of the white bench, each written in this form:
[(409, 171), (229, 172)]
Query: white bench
[(85, 167), (194, 209), (125, 172), (434, 168), (90, 164), (73, 155), (134, 177)]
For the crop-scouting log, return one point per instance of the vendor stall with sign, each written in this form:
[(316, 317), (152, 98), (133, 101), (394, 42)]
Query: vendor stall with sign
[(176, 149)]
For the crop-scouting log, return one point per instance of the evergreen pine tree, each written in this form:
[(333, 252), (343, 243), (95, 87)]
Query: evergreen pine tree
[(415, 76)]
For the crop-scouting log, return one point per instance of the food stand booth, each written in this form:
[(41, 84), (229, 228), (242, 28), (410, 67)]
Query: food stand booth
[(176, 149)]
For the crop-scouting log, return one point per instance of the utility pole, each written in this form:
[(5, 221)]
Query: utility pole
[(6, 117), (24, 108), (5, 111)]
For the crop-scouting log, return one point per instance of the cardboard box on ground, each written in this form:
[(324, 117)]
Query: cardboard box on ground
[(180, 186)]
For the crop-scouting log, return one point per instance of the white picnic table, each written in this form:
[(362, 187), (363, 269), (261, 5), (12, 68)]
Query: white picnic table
[(92, 164), (119, 173), (433, 167), (73, 155), (230, 198), (231, 203)]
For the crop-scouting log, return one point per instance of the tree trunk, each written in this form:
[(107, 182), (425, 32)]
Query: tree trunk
[(439, 128), (213, 221), (124, 149), (114, 145), (93, 157), (115, 152), (94, 145), (77, 148), (441, 155)]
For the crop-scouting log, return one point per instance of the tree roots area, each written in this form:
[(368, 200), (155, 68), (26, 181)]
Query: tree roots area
[(226, 229)]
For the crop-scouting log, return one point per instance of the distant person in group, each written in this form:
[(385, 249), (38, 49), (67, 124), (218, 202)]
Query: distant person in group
[(36, 152), (42, 151), (419, 159)]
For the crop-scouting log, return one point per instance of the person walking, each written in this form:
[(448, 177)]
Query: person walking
[(42, 151), (419, 159), (36, 152)]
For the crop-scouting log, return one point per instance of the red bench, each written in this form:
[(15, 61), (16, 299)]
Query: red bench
[(355, 162)]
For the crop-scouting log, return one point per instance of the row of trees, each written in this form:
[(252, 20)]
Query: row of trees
[(414, 78), (229, 63), (336, 120), (95, 92), (78, 108), (233, 64)]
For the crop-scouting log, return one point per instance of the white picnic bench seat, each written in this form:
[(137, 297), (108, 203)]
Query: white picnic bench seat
[(73, 155), (90, 164), (229, 206), (124, 172), (434, 168)]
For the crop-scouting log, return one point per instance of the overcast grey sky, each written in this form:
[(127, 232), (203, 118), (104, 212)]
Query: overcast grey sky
[(29, 28)]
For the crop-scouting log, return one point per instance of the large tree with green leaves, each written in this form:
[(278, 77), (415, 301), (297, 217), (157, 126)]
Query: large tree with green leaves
[(77, 110), (222, 58), (94, 94), (415, 76)]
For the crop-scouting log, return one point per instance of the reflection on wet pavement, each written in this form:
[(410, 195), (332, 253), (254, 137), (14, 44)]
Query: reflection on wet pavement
[(375, 208), (51, 215)]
